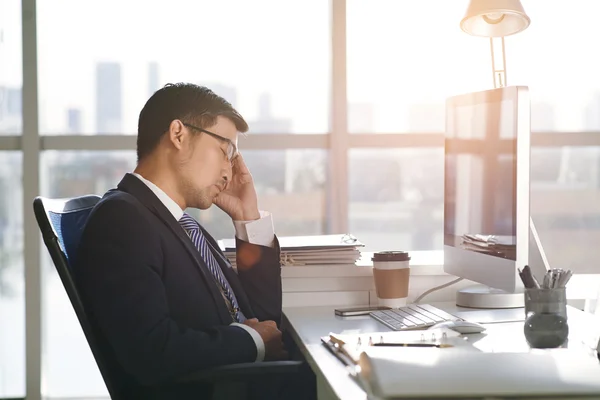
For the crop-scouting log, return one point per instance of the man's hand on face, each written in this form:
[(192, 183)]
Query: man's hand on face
[(239, 199), (271, 336)]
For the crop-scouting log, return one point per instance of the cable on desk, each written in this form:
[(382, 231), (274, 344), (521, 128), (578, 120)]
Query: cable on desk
[(445, 285)]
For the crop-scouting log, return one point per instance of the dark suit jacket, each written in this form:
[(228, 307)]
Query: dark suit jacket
[(154, 299)]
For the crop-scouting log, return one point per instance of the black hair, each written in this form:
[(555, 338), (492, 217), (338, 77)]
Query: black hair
[(187, 102)]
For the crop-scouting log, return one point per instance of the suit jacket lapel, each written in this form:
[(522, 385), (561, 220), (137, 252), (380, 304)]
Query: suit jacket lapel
[(132, 185)]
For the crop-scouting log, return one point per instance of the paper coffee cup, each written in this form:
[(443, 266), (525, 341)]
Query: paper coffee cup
[(391, 272)]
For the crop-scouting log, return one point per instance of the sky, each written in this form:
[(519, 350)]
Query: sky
[(400, 52)]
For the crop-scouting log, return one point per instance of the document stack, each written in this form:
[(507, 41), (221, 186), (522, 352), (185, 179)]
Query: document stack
[(299, 251)]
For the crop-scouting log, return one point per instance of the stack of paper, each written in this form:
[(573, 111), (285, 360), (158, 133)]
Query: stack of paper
[(309, 250), (500, 246)]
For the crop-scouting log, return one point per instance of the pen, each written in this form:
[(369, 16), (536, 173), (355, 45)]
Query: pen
[(567, 276), (441, 346), (533, 283), (546, 283), (527, 277), (340, 352), (554, 279), (336, 341)]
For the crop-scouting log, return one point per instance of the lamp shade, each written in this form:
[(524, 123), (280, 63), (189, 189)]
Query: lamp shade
[(494, 18)]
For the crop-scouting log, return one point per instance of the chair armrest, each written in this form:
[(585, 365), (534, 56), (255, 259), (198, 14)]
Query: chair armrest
[(244, 371)]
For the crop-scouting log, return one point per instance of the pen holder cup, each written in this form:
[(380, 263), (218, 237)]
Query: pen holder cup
[(546, 317)]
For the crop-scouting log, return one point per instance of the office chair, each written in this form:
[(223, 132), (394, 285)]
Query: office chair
[(61, 223)]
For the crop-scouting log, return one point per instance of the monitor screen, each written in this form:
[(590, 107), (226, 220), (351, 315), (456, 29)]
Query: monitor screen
[(480, 197)]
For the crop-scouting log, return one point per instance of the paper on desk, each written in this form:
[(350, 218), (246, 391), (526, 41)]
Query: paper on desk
[(402, 372), (306, 243), (299, 259), (309, 250)]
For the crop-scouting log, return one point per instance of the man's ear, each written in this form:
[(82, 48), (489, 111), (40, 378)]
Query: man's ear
[(177, 135)]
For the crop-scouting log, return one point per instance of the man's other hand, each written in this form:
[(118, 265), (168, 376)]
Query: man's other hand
[(271, 336)]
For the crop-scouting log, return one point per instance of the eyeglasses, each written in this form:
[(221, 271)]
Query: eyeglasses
[(231, 148)]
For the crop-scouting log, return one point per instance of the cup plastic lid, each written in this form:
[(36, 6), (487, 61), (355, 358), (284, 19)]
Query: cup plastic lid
[(391, 256)]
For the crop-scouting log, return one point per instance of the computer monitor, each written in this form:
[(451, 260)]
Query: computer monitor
[(486, 194)]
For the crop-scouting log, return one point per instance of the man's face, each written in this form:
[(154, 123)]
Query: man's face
[(204, 166)]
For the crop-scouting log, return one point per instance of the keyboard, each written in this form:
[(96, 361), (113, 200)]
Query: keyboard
[(413, 316)]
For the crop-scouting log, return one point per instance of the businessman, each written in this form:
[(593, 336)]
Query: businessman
[(159, 289)]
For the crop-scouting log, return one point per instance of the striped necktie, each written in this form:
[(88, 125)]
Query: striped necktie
[(193, 230)]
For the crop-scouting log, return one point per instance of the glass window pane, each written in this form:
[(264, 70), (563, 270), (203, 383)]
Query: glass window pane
[(399, 74), (404, 59), (66, 352), (396, 201), (565, 205), (11, 68), (554, 58), (263, 58), (396, 198), (12, 288), (290, 184)]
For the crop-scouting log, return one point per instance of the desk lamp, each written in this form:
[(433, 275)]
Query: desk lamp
[(495, 19)]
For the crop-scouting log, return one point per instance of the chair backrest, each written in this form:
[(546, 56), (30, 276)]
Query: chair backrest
[(61, 223)]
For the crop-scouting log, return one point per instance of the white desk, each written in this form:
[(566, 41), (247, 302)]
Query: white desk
[(308, 324)]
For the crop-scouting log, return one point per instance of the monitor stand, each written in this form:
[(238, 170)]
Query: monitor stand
[(481, 296)]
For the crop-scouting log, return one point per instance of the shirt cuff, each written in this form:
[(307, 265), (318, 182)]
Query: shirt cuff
[(259, 232), (260, 344)]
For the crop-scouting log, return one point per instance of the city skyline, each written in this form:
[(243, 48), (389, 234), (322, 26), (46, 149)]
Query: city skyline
[(383, 69), (361, 116)]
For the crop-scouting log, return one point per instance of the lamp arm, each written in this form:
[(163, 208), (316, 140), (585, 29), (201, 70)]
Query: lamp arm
[(498, 74)]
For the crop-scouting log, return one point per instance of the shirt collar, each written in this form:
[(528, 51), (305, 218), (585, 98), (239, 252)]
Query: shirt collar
[(168, 202)]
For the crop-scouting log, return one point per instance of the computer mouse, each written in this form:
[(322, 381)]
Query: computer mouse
[(460, 326)]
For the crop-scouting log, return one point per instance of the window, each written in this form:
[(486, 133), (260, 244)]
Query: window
[(290, 184), (565, 205), (97, 81), (272, 60), (12, 290), (11, 70), (551, 57), (404, 59), (66, 352), (396, 198)]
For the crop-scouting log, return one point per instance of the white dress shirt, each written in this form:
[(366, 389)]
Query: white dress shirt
[(259, 232)]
